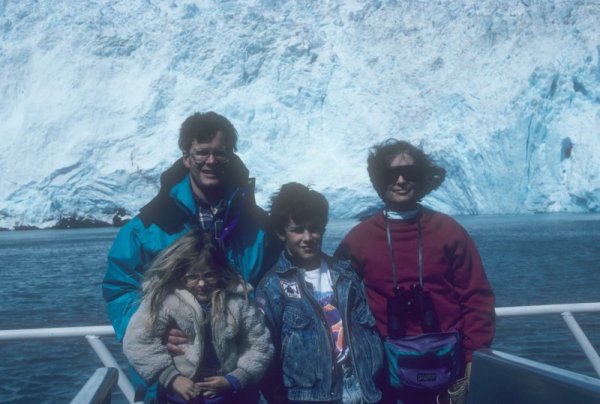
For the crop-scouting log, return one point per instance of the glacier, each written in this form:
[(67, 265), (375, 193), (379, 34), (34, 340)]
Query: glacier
[(504, 95)]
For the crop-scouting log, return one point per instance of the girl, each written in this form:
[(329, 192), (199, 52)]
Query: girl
[(192, 286)]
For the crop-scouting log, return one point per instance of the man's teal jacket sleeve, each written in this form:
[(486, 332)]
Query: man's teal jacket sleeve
[(122, 283)]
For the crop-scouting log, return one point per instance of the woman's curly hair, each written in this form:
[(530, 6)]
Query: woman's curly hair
[(382, 154)]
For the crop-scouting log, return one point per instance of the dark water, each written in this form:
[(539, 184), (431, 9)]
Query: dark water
[(53, 279)]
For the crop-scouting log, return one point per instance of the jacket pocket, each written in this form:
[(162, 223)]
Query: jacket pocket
[(295, 319), (300, 350)]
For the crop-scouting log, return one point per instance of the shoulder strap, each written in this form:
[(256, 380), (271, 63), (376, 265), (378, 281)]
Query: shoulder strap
[(391, 249)]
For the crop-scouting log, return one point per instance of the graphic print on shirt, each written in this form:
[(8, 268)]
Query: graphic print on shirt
[(334, 319), (322, 291)]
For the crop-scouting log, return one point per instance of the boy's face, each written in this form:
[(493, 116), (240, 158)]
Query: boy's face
[(303, 243)]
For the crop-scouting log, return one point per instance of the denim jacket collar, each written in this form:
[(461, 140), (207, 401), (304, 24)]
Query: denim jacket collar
[(336, 269)]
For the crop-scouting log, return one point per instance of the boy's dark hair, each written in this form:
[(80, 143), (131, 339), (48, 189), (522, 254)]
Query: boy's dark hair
[(203, 127), (299, 203), (381, 156)]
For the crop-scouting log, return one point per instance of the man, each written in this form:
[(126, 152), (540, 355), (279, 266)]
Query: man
[(208, 188), (407, 248), (327, 347)]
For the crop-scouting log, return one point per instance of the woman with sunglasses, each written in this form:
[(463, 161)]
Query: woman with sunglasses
[(420, 262)]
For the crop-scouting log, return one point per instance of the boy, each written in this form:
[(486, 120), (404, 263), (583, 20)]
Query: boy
[(327, 346)]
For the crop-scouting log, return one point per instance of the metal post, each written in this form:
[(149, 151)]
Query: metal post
[(109, 361), (583, 341), (98, 388)]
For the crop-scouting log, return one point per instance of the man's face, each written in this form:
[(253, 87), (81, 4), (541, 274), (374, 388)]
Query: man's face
[(401, 189), (207, 163), (303, 243)]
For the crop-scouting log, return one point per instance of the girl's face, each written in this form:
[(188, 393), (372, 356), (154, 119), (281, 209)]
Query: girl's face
[(201, 284)]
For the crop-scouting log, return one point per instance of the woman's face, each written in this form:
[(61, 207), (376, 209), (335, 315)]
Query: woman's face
[(201, 284), (401, 190)]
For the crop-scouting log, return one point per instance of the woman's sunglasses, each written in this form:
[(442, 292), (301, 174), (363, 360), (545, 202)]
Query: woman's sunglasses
[(409, 173)]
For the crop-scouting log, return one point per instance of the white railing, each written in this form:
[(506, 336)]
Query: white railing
[(566, 311), (93, 333)]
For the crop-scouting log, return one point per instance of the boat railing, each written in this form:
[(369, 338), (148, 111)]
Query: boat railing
[(98, 388), (93, 334), (530, 382), (566, 311)]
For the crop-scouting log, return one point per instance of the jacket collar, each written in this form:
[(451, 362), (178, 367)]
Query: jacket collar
[(175, 182), (182, 192), (284, 267)]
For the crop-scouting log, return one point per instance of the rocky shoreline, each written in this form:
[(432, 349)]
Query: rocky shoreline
[(75, 222)]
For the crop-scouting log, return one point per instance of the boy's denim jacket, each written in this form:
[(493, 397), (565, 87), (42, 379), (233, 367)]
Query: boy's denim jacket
[(304, 368)]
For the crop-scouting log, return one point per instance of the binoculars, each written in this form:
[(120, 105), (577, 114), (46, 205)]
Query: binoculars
[(414, 304)]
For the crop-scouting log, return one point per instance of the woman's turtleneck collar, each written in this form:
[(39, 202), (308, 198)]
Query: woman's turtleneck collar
[(406, 215)]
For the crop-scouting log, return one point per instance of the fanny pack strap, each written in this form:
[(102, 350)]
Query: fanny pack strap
[(391, 250)]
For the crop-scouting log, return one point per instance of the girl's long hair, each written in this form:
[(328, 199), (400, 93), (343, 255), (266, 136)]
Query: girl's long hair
[(194, 252)]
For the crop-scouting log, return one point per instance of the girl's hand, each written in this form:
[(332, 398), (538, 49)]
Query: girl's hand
[(185, 387), (213, 386)]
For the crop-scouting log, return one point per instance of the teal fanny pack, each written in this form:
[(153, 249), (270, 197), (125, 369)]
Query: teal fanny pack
[(426, 362)]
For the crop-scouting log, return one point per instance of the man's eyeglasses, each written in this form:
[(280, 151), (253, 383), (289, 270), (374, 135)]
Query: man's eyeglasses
[(409, 173), (193, 278), (200, 156)]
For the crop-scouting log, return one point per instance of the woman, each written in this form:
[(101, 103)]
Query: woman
[(421, 270)]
